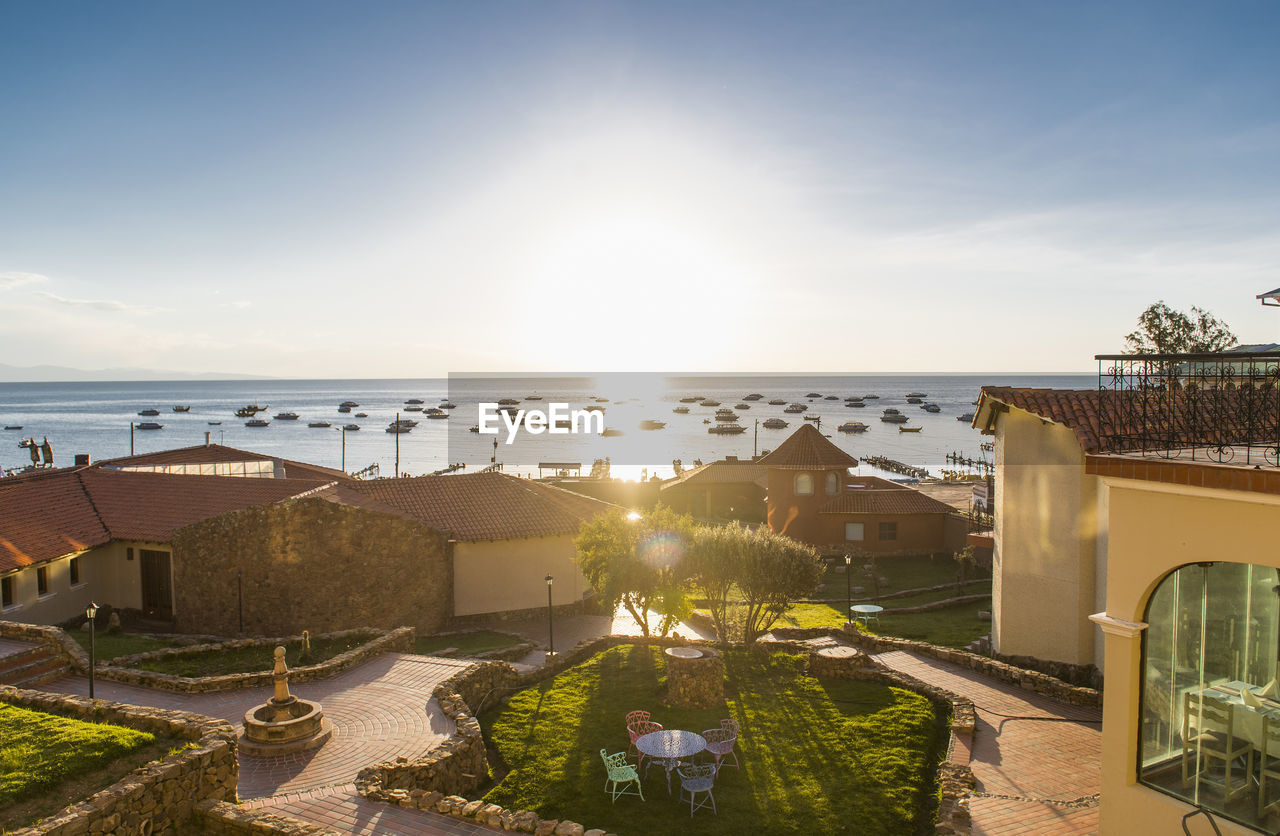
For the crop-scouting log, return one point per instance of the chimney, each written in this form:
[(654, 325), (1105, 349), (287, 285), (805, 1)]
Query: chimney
[(207, 435), (82, 459)]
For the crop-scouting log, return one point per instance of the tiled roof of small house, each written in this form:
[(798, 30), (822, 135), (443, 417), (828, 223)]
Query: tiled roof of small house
[(1076, 409), (725, 472), (807, 448), (871, 495), (46, 515), (486, 506)]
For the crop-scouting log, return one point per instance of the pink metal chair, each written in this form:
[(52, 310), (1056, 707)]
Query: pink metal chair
[(632, 718), (639, 729), (720, 743)]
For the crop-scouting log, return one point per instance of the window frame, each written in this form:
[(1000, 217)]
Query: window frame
[(795, 483), (73, 571), (833, 483), (862, 532), (892, 528), (42, 582), (8, 592)]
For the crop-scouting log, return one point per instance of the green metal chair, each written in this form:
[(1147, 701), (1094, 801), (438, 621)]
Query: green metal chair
[(621, 774)]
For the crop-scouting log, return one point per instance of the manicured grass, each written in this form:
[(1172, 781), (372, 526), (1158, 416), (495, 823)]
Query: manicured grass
[(817, 756), (110, 646), (955, 626), (47, 761), (910, 572), (249, 659), (481, 641)]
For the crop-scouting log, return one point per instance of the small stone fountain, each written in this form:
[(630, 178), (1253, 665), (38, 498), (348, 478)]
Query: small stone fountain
[(283, 724), (695, 677)]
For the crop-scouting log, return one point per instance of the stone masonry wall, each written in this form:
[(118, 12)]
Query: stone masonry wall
[(311, 565), (157, 798), (55, 638), (219, 818)]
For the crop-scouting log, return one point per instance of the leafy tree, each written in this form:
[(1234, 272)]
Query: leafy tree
[(1163, 330), (768, 570), (966, 561), (637, 561)]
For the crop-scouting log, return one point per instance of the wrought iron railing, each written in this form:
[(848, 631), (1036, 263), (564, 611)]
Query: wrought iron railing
[(1223, 407)]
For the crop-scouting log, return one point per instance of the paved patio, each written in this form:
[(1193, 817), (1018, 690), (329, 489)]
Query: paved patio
[(379, 709)]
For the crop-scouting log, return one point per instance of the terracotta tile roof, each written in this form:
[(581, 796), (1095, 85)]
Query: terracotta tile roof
[(808, 448), (870, 495), (44, 516), (721, 473), (1076, 409), (486, 506), (152, 506), (218, 454)]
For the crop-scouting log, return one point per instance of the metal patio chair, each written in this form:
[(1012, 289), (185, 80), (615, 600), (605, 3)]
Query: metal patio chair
[(698, 778), (720, 743), (621, 775), (634, 717)]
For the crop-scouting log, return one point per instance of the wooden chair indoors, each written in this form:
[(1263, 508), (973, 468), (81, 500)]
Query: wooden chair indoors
[(1213, 739)]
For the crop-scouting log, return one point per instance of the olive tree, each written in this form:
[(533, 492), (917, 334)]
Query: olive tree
[(1164, 330), (637, 561)]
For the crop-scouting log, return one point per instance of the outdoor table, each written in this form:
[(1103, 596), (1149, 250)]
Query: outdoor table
[(669, 746), (865, 612)]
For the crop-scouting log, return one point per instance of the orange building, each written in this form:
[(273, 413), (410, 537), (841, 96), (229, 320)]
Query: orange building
[(813, 499)]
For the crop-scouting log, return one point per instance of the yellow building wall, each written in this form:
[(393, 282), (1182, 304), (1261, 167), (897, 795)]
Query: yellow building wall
[(1046, 534), (105, 577), (505, 575), (1153, 529)]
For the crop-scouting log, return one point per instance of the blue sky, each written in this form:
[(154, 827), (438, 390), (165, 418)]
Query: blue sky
[(410, 189)]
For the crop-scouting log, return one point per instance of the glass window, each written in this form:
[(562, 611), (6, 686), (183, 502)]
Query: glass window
[(74, 569), (42, 580), (853, 531), (1210, 710), (889, 531), (804, 484), (6, 592), (833, 483)]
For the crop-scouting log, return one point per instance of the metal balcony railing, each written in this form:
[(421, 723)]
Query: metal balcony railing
[(1222, 407)]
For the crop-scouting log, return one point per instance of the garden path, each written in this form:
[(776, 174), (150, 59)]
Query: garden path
[(1037, 761), (379, 709), (341, 808)]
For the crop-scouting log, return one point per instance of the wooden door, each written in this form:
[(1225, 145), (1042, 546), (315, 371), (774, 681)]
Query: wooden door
[(157, 588)]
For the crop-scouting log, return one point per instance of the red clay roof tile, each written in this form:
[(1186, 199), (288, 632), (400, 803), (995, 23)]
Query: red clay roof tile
[(808, 448)]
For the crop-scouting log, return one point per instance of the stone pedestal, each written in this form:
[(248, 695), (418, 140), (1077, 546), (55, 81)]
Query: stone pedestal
[(837, 662), (695, 677)]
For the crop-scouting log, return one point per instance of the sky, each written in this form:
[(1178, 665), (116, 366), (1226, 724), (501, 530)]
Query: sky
[(411, 189)]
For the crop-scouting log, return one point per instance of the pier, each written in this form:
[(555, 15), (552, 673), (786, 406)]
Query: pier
[(894, 466), (982, 465)]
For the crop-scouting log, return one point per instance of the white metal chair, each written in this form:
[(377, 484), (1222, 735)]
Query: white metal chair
[(698, 778)]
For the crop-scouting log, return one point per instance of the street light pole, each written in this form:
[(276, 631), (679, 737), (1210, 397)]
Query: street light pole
[(551, 637), (848, 588), (91, 612)]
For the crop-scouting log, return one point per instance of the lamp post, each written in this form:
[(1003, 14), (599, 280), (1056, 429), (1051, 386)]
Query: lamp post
[(848, 588), (551, 636), (91, 612)]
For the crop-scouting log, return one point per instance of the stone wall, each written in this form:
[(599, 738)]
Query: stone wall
[(157, 798), (311, 565), (694, 683), (55, 638), (399, 640)]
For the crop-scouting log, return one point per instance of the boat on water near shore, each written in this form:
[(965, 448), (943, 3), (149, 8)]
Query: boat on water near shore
[(149, 412), (414, 400), (533, 397), (437, 415), (893, 416), (754, 396), (852, 427), (399, 428), (914, 399), (777, 402), (319, 424), (286, 416), (652, 424), (795, 408), (968, 416), (855, 404), (832, 398), (870, 397), (910, 429), (708, 402), (930, 407), (343, 409), (350, 427), (447, 405), (349, 404), (362, 415), (814, 395), (813, 417), (916, 395), (414, 408), (726, 417), (681, 410), (692, 399), (726, 429), (13, 426), (257, 422), (150, 425), (182, 409), (215, 423), (774, 424), (742, 406)]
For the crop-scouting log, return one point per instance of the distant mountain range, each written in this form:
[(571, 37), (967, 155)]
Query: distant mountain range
[(65, 374)]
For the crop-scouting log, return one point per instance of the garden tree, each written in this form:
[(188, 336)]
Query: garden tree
[(637, 561), (966, 560), (768, 570), (1163, 330)]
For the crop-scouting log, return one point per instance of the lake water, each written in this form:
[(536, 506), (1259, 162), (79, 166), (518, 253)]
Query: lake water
[(94, 418)]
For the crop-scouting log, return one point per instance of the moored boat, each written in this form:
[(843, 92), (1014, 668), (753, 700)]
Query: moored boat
[(910, 429), (286, 416), (693, 399), (754, 396), (795, 408), (652, 424), (414, 400), (257, 422), (149, 412), (319, 424), (150, 425), (930, 407), (362, 415), (777, 402), (708, 402), (852, 427), (182, 409), (832, 398), (726, 429), (814, 395), (350, 427), (447, 405), (968, 416), (742, 406), (916, 395), (681, 410), (349, 404), (774, 424)]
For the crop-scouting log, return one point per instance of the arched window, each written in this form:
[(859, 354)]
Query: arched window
[(1210, 703), (833, 483), (804, 484)]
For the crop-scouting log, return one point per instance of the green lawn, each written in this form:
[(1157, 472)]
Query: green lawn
[(47, 761), (911, 572), (122, 644), (955, 626), (481, 641), (250, 659), (817, 756)]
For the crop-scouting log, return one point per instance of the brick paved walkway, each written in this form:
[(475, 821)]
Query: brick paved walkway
[(1037, 761), (342, 809), (380, 709), (8, 647)]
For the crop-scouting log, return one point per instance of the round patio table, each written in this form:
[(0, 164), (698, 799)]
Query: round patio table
[(866, 612), (669, 746)]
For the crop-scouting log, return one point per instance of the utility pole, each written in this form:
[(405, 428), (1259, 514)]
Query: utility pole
[(397, 435), (130, 438), (755, 442)]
